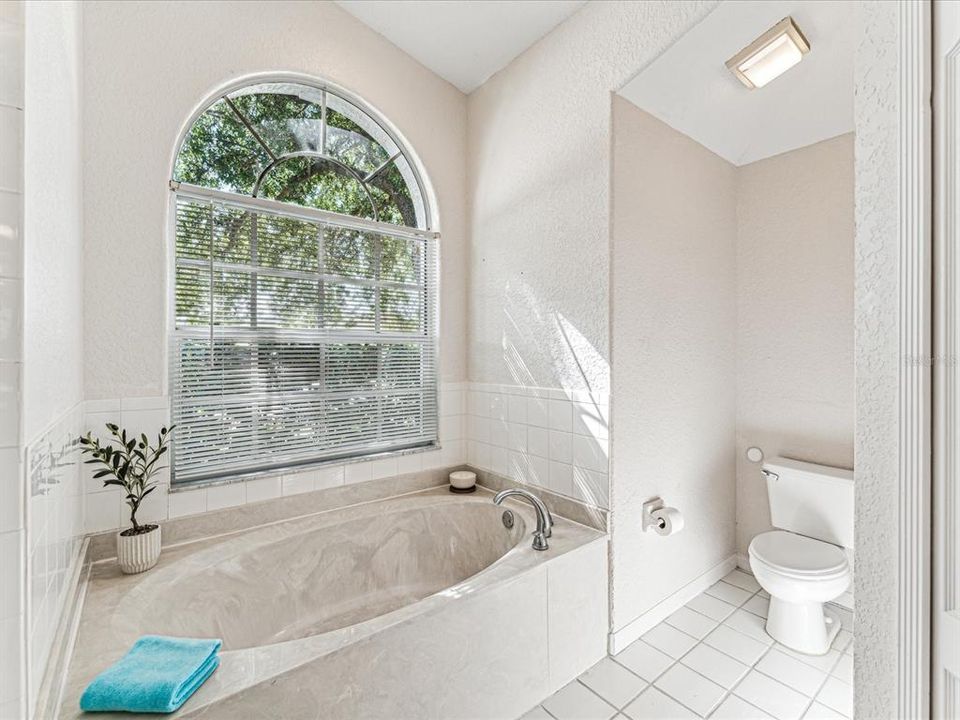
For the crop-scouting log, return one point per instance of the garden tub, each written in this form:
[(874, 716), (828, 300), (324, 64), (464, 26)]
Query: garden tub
[(420, 606)]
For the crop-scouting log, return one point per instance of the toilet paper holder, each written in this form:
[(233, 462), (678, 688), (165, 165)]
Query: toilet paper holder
[(649, 507)]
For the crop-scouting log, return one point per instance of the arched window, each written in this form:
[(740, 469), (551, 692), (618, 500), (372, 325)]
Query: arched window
[(305, 287)]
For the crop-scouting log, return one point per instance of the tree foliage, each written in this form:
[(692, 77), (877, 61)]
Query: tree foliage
[(222, 152), (287, 273)]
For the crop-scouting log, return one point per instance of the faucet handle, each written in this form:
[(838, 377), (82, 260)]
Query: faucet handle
[(544, 518), (540, 540)]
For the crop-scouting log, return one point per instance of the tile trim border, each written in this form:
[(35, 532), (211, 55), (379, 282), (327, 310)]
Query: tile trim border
[(50, 691), (225, 521), (569, 509), (620, 639)]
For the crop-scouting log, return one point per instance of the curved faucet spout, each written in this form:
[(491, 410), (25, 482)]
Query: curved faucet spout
[(544, 518)]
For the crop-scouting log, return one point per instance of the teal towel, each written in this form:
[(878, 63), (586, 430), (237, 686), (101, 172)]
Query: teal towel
[(157, 675)]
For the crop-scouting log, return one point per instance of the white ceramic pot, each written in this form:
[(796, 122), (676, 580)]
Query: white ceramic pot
[(463, 481), (137, 553)]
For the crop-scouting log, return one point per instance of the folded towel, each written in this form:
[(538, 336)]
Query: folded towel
[(157, 675)]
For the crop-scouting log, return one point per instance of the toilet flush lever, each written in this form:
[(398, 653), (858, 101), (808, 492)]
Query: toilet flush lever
[(769, 474)]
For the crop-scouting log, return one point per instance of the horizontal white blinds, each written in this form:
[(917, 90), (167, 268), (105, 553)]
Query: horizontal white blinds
[(297, 340)]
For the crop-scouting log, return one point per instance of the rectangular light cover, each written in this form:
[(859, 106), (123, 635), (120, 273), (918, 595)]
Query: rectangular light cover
[(770, 55)]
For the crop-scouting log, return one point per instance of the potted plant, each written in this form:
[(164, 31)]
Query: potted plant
[(131, 466)]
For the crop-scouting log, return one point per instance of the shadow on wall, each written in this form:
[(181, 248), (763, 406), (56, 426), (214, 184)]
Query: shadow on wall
[(574, 360)]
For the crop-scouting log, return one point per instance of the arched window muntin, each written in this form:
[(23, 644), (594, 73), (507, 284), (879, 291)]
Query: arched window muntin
[(370, 154), (385, 385)]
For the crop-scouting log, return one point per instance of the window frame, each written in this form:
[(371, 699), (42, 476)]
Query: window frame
[(178, 189)]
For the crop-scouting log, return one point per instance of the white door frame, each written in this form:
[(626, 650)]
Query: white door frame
[(946, 573), (916, 338), (893, 359)]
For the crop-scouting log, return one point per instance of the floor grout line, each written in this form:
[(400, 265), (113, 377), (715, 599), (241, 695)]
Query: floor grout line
[(605, 700), (727, 693)]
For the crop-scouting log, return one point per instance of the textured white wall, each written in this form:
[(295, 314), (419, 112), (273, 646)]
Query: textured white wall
[(673, 330), (53, 217), (795, 388), (539, 166), (147, 66), (876, 327), (53, 318)]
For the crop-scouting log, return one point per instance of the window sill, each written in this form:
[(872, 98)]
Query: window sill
[(187, 485)]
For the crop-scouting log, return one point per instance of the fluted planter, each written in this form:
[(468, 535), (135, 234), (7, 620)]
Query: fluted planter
[(136, 553)]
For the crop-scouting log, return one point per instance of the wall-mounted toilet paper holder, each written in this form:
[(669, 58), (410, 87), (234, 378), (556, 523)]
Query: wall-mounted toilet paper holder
[(649, 521), (661, 519)]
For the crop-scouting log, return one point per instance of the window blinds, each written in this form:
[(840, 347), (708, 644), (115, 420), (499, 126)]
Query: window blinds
[(299, 337)]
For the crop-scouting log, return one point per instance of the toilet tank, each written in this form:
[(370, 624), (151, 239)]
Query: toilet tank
[(812, 500)]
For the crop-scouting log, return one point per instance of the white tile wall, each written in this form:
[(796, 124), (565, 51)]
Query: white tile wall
[(105, 509), (549, 437), (55, 529), (13, 539)]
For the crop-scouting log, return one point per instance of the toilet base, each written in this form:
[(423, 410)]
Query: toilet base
[(804, 627)]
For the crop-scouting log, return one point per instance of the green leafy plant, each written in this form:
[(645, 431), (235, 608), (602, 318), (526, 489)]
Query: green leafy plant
[(130, 466)]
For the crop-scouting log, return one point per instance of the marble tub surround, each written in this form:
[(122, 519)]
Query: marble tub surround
[(575, 510), (434, 570), (551, 438), (278, 509)]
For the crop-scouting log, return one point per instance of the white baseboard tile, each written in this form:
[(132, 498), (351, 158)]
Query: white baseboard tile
[(743, 562), (659, 612)]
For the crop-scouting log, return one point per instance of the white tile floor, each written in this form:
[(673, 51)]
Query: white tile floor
[(712, 659)]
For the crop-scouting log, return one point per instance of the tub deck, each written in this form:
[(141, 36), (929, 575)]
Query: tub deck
[(112, 618)]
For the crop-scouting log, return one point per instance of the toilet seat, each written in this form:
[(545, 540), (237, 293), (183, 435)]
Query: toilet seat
[(797, 556)]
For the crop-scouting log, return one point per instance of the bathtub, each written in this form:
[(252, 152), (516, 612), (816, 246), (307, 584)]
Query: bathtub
[(420, 606)]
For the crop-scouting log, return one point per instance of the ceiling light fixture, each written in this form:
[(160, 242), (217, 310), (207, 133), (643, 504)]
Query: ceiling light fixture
[(770, 55)]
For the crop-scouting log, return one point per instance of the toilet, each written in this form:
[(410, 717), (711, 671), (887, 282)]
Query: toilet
[(803, 563)]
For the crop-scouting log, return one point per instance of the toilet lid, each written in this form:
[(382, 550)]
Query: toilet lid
[(797, 555)]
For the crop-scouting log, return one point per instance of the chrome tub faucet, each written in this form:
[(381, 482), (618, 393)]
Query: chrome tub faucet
[(544, 518)]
